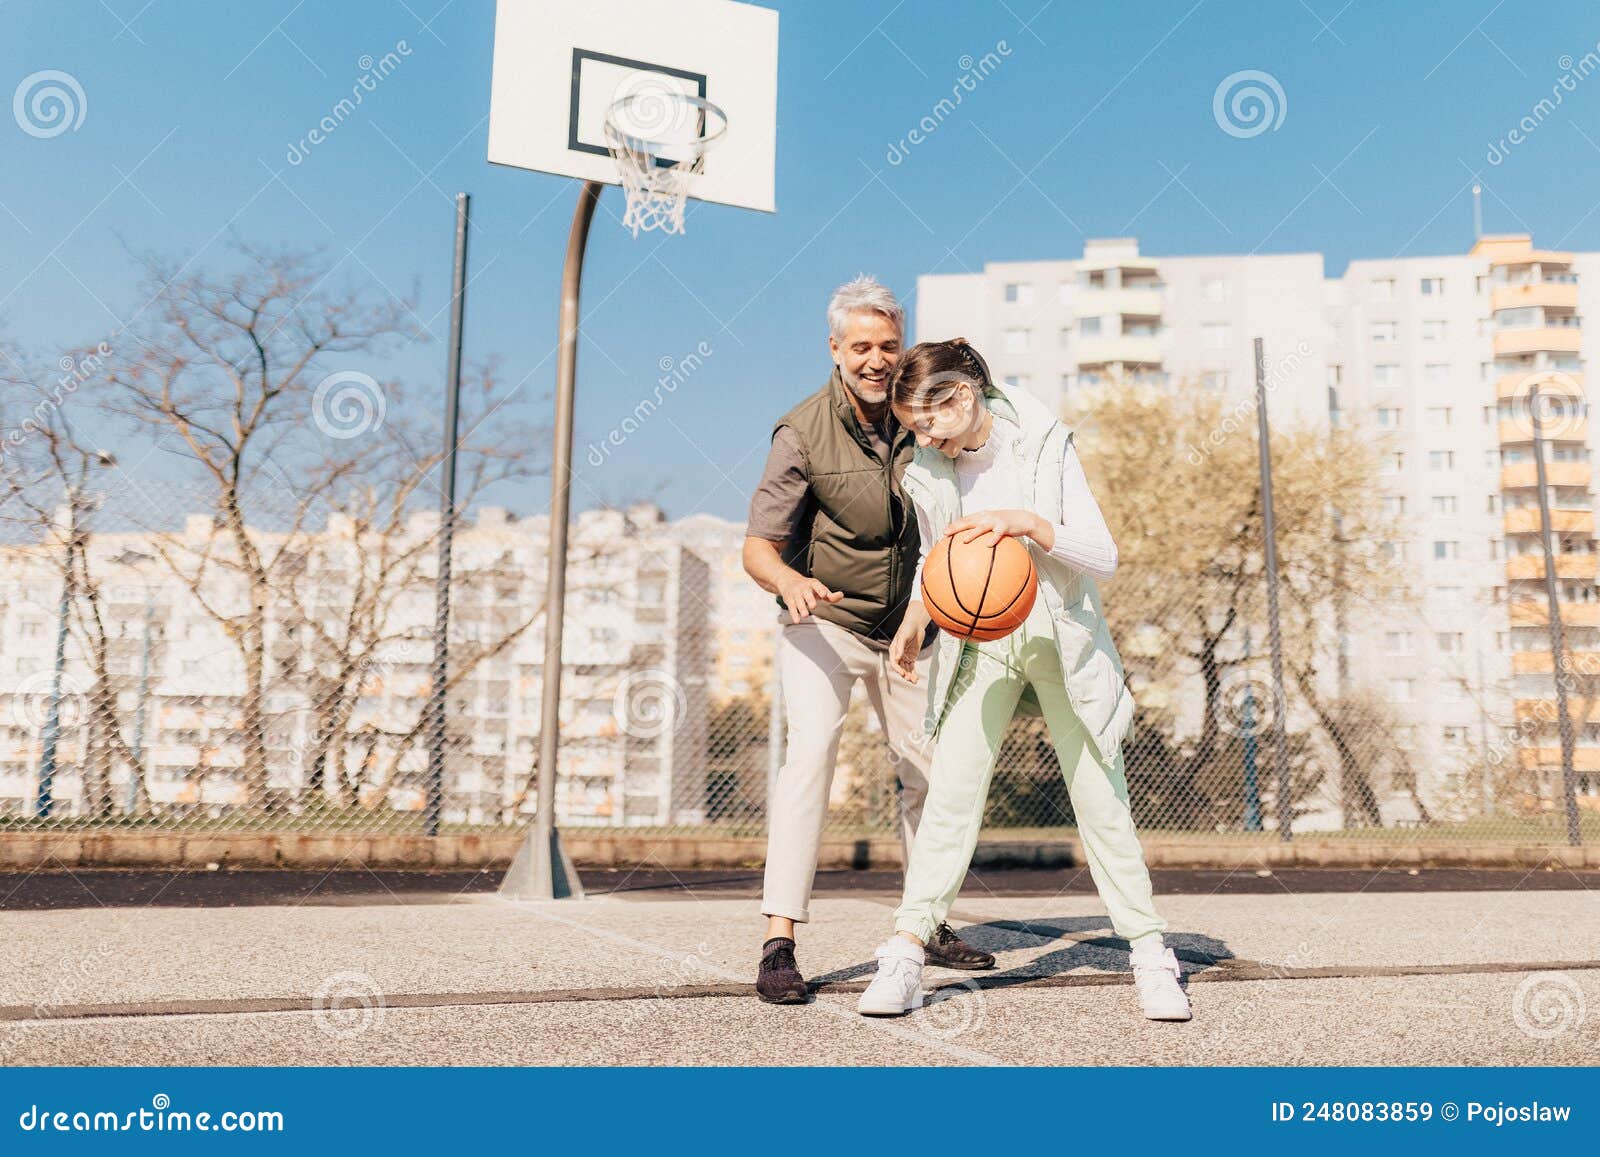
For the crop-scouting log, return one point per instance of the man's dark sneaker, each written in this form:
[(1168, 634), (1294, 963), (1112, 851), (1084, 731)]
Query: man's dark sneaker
[(947, 950), (779, 981)]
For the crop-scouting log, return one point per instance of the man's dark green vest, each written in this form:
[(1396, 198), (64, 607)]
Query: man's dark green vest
[(858, 534)]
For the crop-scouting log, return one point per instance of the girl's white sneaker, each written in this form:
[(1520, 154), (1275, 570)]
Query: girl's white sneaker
[(1160, 995), (897, 988)]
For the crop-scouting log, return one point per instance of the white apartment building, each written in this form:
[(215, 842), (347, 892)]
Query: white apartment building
[(1438, 352), (638, 651)]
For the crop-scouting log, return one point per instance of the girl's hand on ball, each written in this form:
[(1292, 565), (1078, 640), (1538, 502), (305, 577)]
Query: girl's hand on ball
[(990, 526)]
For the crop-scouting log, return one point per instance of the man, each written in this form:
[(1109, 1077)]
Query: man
[(832, 536)]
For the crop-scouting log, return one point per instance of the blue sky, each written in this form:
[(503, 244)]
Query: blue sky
[(1099, 122)]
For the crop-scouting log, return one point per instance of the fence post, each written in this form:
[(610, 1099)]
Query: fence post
[(1269, 548), (1558, 649), (447, 523)]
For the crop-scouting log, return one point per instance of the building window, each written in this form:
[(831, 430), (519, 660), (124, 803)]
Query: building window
[(1394, 505), (1335, 375), (1214, 380), (1454, 736), (1383, 289), (1433, 330), (1384, 332), (1446, 551), (1436, 373), (1432, 287), (1481, 283), (1494, 504), (1064, 337), (1020, 381), (1440, 416), (1016, 341), (1394, 462), (1441, 459), (1386, 374), (1448, 642), (1393, 551), (1388, 417), (1088, 327), (1397, 642), (1019, 293), (1400, 689), (1214, 289), (1215, 336), (1444, 504)]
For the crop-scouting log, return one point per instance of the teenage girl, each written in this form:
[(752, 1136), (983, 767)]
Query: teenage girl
[(993, 462)]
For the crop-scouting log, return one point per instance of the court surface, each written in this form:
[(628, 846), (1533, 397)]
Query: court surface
[(655, 967)]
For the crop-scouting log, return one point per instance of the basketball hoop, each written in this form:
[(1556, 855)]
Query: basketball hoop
[(659, 139)]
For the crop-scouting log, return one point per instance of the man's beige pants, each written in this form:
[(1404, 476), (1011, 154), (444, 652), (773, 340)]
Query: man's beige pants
[(819, 663)]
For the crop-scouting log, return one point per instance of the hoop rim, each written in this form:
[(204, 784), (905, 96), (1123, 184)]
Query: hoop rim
[(620, 138)]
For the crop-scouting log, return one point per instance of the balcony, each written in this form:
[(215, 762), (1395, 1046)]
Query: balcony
[(1510, 386), (1554, 427), (1526, 521), (1531, 566), (1555, 294), (1581, 663), (1134, 302), (1562, 339), (1583, 758), (1102, 351), (1526, 474), (1536, 613), (1544, 710)]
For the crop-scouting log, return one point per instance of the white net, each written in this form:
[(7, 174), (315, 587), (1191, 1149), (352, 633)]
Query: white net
[(659, 138)]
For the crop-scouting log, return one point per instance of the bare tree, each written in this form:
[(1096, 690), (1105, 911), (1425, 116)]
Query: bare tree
[(232, 365)]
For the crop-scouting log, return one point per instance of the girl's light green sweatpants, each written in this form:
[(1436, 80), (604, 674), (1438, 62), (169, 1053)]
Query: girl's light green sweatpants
[(987, 687)]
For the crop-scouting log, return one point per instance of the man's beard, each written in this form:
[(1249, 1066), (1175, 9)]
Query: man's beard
[(870, 393)]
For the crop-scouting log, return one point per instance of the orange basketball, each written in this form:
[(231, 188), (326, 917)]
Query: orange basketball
[(978, 592)]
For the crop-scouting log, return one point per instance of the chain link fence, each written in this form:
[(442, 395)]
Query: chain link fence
[(139, 696)]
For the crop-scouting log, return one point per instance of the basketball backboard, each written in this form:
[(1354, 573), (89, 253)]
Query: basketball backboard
[(559, 65)]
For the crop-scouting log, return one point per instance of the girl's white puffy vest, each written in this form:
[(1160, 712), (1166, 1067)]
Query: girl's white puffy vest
[(1093, 669)]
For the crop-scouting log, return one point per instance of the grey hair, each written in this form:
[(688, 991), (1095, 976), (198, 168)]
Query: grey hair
[(864, 294)]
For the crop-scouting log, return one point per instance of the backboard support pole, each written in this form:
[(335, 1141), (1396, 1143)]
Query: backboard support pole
[(542, 870)]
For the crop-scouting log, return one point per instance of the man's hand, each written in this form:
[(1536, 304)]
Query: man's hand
[(907, 644), (991, 526), (801, 594)]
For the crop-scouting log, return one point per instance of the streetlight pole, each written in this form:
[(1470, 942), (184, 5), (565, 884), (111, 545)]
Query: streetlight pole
[(542, 870)]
